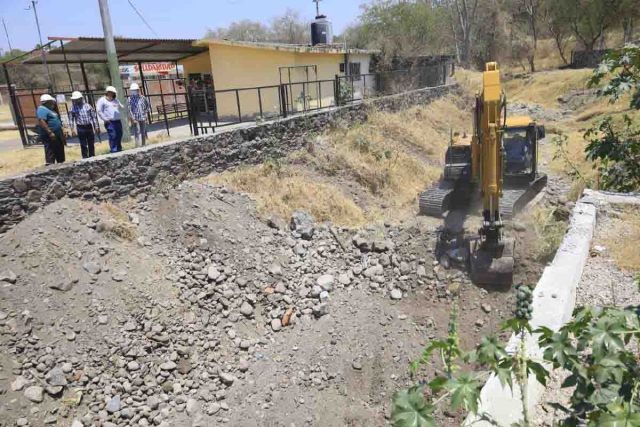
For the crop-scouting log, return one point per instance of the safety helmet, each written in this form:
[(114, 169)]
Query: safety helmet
[(134, 86), (46, 98), (76, 95), (111, 89)]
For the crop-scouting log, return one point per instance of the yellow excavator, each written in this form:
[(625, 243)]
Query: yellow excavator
[(500, 161)]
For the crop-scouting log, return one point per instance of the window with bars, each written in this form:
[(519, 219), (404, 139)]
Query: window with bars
[(354, 70)]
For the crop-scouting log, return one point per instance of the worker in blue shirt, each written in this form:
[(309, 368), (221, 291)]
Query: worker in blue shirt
[(108, 109), (50, 127)]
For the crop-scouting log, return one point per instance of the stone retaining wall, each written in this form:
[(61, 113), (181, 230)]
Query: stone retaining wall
[(140, 171)]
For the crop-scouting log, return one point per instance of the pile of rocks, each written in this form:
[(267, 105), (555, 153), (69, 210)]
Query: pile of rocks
[(183, 355)]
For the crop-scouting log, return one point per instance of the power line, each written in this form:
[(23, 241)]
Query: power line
[(7, 33), (142, 17)]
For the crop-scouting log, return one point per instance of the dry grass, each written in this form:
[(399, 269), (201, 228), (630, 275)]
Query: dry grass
[(116, 224), (281, 190), (545, 88), (623, 241), (389, 159), (548, 229), (24, 159)]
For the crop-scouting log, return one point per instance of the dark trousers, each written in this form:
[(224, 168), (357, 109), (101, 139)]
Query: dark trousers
[(87, 139), (114, 129), (53, 148)]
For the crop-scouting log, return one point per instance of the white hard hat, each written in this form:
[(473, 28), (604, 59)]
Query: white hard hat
[(134, 86), (46, 98), (76, 95), (111, 89)]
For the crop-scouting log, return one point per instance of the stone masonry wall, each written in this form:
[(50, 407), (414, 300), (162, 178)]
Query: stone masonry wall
[(140, 171)]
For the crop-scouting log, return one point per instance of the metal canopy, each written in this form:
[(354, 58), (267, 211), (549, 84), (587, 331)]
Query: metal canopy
[(92, 49)]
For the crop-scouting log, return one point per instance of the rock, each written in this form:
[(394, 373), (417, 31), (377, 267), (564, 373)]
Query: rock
[(361, 243), (243, 365), (113, 405), (479, 322), (276, 325), (320, 309), (67, 368), (213, 273), (275, 269), (56, 377), (103, 181), (184, 366), (421, 271), (213, 409), (326, 282), (70, 336), (356, 365), (396, 294), (276, 221), (130, 326), (405, 268), (34, 394), (92, 268), (126, 413), (103, 319), (280, 288), (119, 276), (190, 318), (19, 383), (25, 422), (246, 309), (168, 366), (133, 366), (153, 402), (8, 276), (227, 378), (441, 273), (303, 224), (385, 260), (62, 286), (324, 296), (518, 226), (191, 407), (77, 423), (486, 308), (344, 279), (561, 213)]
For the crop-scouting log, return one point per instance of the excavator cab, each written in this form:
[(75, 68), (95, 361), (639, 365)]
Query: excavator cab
[(520, 141)]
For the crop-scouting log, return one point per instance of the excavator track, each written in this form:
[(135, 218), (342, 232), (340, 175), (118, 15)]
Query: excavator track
[(515, 199), (435, 201)]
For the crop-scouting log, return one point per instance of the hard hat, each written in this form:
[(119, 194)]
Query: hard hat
[(76, 95), (134, 86), (111, 89), (46, 98)]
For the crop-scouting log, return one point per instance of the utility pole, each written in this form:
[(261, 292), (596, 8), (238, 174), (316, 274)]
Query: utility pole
[(7, 33), (44, 56), (114, 69)]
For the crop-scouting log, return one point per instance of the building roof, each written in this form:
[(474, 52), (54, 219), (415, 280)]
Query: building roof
[(92, 49), (335, 49)]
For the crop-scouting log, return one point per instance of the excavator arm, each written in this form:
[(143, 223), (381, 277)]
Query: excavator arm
[(491, 255)]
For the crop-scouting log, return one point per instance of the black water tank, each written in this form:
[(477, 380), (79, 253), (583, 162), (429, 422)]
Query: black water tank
[(321, 31)]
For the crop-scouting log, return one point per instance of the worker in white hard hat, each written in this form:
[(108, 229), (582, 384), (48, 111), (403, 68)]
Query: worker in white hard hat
[(108, 109), (85, 119), (139, 106), (50, 127)]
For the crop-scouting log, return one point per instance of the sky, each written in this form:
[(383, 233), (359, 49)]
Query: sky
[(169, 18)]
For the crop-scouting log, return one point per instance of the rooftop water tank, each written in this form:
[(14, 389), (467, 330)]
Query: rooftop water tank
[(321, 31)]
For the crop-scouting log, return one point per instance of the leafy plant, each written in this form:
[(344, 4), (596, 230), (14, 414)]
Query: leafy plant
[(410, 407), (345, 92), (623, 66), (600, 349), (616, 153)]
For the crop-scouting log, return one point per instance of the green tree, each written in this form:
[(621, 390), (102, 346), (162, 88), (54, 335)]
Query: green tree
[(590, 19), (556, 16)]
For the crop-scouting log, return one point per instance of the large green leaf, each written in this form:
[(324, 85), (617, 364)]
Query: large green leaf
[(609, 368), (558, 348), (604, 336), (465, 389), (621, 416), (410, 409), (490, 350), (539, 371)]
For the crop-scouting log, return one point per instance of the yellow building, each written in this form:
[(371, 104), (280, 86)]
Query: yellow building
[(308, 72)]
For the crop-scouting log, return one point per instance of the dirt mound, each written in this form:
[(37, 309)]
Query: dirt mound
[(187, 309)]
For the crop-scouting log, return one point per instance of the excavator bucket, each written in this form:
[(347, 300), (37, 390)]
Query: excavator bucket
[(492, 265)]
